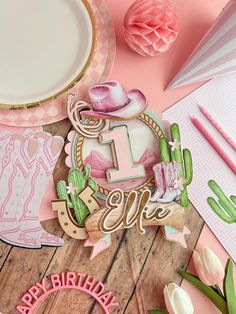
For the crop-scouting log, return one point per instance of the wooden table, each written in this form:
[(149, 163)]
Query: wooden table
[(135, 268)]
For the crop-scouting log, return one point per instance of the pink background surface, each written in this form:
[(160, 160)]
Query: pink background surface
[(151, 75)]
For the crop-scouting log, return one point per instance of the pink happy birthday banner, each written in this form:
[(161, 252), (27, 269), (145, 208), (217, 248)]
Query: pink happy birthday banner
[(67, 281), (216, 53)]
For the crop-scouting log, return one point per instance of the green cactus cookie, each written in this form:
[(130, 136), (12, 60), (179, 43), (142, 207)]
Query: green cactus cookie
[(226, 207), (183, 158), (77, 182)]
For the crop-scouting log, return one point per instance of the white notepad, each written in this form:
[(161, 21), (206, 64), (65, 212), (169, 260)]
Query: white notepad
[(219, 97)]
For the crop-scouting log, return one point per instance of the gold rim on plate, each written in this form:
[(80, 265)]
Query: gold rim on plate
[(74, 81)]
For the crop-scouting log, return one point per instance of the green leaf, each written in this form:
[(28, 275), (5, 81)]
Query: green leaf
[(158, 312), (207, 291), (229, 287)]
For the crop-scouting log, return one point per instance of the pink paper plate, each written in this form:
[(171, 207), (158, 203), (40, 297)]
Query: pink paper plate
[(98, 70)]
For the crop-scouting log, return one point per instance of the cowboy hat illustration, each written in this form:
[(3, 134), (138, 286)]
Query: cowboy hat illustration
[(109, 100)]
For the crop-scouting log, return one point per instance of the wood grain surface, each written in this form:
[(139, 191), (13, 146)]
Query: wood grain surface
[(135, 268)]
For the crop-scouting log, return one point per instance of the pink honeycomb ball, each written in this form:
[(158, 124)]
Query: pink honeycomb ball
[(151, 26)]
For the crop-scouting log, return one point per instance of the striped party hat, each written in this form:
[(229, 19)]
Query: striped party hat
[(215, 55)]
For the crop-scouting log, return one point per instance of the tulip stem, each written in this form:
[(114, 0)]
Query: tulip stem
[(211, 294), (218, 290), (158, 312), (229, 287)]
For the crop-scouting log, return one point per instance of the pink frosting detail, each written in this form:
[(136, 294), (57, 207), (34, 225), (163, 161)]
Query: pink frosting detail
[(68, 149), (68, 162), (71, 136)]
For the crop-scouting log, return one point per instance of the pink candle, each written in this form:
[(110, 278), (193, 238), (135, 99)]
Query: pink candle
[(211, 119), (214, 144)]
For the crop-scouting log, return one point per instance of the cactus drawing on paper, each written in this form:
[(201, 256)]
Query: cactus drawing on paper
[(77, 182), (225, 208), (172, 152)]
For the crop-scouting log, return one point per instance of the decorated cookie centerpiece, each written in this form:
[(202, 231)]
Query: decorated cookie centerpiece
[(124, 170)]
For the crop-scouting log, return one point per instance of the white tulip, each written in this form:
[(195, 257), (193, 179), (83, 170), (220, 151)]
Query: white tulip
[(208, 267), (177, 300)]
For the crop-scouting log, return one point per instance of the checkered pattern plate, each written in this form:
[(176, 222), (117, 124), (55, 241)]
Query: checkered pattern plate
[(98, 71)]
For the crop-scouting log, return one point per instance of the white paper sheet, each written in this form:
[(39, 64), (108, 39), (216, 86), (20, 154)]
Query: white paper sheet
[(219, 97)]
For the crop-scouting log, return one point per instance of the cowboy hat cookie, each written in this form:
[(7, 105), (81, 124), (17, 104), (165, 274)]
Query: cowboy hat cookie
[(109, 100), (124, 170)]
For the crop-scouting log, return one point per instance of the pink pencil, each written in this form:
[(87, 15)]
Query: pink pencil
[(214, 144), (211, 119)]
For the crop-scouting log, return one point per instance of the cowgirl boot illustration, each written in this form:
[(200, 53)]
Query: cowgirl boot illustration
[(27, 212), (5, 148), (158, 170), (5, 137), (17, 158), (172, 177)]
